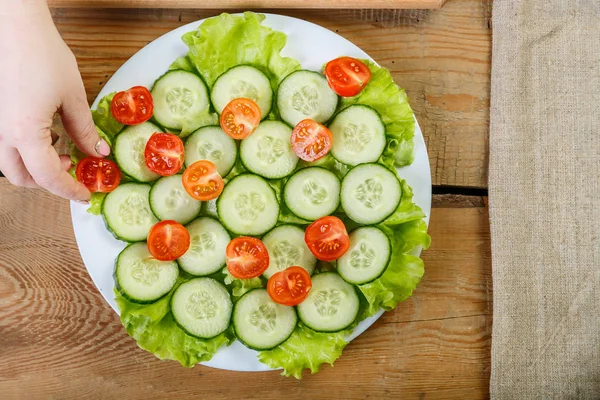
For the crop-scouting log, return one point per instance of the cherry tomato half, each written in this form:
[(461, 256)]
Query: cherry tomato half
[(133, 106), (347, 76), (327, 238), (289, 287), (311, 140), (202, 180), (247, 257), (240, 118), (168, 240), (164, 154), (98, 174)]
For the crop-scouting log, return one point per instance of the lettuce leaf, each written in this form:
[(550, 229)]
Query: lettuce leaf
[(239, 287), (391, 102), (104, 119), (153, 328), (229, 40), (404, 272), (305, 349), (96, 203)]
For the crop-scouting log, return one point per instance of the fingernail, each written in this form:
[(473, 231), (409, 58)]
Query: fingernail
[(102, 148), (84, 202)]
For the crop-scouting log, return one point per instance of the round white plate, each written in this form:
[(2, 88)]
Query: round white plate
[(310, 44)]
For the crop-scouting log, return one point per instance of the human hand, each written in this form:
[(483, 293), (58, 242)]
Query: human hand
[(39, 77)]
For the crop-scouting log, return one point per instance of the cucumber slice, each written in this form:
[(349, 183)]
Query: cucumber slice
[(305, 94), (127, 212), (141, 278), (202, 307), (129, 151), (331, 305), (243, 81), (208, 241), (169, 200), (370, 193), (287, 248), (312, 193), (367, 258), (179, 96), (211, 143), (358, 135), (248, 205), (268, 151), (209, 209), (260, 323)]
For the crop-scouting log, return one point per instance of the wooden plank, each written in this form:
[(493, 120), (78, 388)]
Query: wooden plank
[(253, 4), (61, 340), (441, 57)]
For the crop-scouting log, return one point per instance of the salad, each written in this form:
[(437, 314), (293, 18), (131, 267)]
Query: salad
[(260, 201)]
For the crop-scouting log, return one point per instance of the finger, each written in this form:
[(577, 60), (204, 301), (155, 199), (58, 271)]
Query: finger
[(46, 168), (13, 168), (65, 162), (77, 120)]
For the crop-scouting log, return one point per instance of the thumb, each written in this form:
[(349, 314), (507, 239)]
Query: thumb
[(77, 120)]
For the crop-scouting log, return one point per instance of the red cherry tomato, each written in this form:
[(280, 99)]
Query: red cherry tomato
[(133, 106), (347, 76), (168, 240), (311, 140), (289, 287), (240, 118), (202, 180), (247, 257), (327, 238), (164, 154), (98, 174)]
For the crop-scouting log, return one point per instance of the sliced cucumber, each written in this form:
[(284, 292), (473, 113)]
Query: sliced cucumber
[(358, 135), (370, 193), (305, 94), (209, 209), (127, 212), (312, 193), (202, 307), (367, 257), (179, 96), (331, 305), (129, 151), (287, 248), (268, 151), (260, 323), (208, 241), (243, 81), (141, 278), (211, 143), (169, 200), (248, 205)]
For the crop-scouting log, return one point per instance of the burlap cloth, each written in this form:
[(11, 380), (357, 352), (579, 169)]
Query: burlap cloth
[(544, 184)]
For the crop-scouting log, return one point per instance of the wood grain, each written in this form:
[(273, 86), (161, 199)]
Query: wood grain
[(226, 4), (61, 340), (442, 58)]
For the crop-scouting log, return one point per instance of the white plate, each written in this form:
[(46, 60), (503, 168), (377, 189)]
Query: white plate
[(313, 46)]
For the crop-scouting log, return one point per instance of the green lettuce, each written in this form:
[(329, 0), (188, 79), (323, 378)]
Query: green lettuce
[(239, 287), (229, 40), (305, 349), (391, 102), (153, 328), (404, 272), (104, 119)]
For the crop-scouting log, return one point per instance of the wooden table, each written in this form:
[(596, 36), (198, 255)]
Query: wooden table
[(61, 340)]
